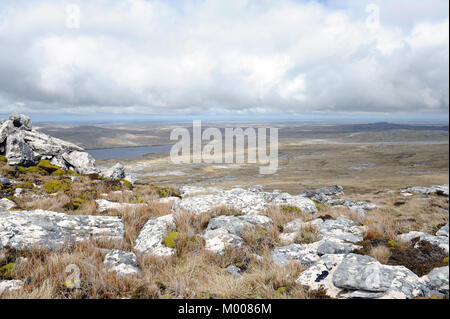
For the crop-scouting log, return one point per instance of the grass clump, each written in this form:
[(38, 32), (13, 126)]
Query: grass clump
[(7, 271), (46, 166), (290, 209), (307, 234), (3, 159)]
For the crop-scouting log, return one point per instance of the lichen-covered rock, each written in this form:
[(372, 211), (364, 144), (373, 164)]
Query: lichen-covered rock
[(436, 189), (320, 274), (323, 194), (443, 231), (219, 239), (82, 162), (360, 207), (236, 224), (441, 241), (115, 172), (17, 151), (234, 271), (5, 181), (46, 229), (10, 285), (151, 237), (341, 229), (293, 226), (121, 262), (21, 121), (306, 254), (47, 146), (327, 246), (245, 201), (437, 280)]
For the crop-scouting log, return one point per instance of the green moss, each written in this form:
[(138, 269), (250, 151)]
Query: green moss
[(290, 209), (445, 260), (280, 291), (126, 184), (139, 200), (31, 170), (74, 204), (3, 159), (14, 209), (7, 271), (392, 243), (59, 172), (169, 241), (46, 166), (27, 185), (55, 186)]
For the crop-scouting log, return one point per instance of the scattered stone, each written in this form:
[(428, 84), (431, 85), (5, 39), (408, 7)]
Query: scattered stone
[(341, 229), (236, 224), (235, 271), (306, 254), (115, 172), (5, 181), (323, 194), (360, 207), (218, 240), (293, 226), (335, 247), (442, 190), (51, 230), (10, 285), (150, 240), (121, 262)]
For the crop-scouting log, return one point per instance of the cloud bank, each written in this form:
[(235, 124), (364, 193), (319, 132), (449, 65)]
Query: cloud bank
[(239, 57)]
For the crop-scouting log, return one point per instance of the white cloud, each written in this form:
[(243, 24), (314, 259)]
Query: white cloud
[(230, 57)]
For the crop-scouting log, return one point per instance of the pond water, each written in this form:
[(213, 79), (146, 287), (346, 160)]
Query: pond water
[(128, 152)]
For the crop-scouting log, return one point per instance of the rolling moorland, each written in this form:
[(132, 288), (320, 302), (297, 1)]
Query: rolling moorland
[(354, 211)]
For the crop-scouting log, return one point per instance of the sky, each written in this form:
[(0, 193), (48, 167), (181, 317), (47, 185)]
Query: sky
[(246, 59)]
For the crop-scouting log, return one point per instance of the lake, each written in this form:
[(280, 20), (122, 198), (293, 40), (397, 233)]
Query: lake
[(128, 152)]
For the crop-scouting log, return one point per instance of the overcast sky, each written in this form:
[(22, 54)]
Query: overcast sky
[(224, 58)]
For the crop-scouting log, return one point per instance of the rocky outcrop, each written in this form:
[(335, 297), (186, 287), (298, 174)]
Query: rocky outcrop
[(218, 240), (104, 205), (150, 240), (441, 241), (246, 201), (121, 262), (24, 146), (443, 231), (358, 276), (46, 229), (437, 282), (323, 194)]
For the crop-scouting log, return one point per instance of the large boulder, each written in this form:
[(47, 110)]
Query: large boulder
[(82, 162), (121, 262), (17, 151), (151, 237)]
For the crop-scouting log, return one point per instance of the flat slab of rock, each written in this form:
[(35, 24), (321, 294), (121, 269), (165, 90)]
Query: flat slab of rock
[(236, 224), (46, 229), (121, 262), (305, 254), (151, 237), (245, 201), (104, 205), (341, 229), (6, 204), (10, 285)]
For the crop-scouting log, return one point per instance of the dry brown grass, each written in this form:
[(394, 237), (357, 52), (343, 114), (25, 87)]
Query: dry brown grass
[(307, 234), (380, 253)]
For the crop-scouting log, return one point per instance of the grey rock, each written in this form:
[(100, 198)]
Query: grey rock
[(5, 181), (324, 191), (293, 226), (341, 229), (51, 230), (358, 272), (151, 237), (6, 204), (320, 274), (305, 254), (121, 262), (335, 247), (47, 146), (234, 271), (17, 151), (218, 240), (82, 162), (443, 231), (437, 280), (236, 224), (10, 285), (442, 190), (6, 128), (103, 205), (115, 172), (21, 121)]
